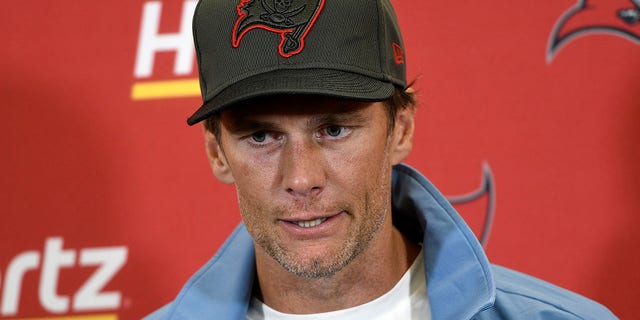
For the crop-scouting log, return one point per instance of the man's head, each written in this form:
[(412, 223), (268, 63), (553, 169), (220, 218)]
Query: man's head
[(306, 110)]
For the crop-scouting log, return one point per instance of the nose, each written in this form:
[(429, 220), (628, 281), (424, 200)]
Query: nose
[(303, 171)]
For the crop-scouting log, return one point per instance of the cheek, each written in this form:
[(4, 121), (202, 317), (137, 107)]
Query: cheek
[(248, 205), (252, 186), (365, 153), (256, 208), (251, 170), (365, 166), (247, 175)]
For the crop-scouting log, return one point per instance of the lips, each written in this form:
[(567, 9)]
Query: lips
[(310, 226), (310, 223)]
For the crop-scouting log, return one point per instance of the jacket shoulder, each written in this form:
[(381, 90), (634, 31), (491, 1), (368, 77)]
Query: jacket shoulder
[(160, 314), (520, 296)]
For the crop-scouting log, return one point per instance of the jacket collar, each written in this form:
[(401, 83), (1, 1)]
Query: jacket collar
[(459, 280)]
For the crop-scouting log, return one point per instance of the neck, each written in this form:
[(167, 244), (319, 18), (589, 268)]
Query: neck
[(371, 274)]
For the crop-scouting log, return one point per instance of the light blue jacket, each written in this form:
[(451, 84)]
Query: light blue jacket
[(461, 282)]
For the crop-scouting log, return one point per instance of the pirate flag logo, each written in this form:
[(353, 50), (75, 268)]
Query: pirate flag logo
[(292, 19), (615, 17)]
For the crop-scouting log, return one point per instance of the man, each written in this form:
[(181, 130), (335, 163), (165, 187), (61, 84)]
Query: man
[(308, 113)]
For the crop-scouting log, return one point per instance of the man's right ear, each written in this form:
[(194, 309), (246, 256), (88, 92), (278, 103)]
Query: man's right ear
[(217, 159)]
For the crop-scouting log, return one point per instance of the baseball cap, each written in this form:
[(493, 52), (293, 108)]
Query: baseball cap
[(246, 49)]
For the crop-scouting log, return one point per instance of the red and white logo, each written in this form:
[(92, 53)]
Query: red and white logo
[(292, 19), (88, 297)]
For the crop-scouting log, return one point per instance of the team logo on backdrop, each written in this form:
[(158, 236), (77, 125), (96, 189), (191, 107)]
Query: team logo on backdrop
[(90, 296), (615, 17), (292, 19), (486, 189)]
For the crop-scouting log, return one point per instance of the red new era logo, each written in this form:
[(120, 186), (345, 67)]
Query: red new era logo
[(398, 53)]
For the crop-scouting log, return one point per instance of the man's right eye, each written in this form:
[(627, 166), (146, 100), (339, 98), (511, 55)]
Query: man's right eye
[(259, 137), (262, 138)]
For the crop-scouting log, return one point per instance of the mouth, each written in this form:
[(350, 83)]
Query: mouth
[(309, 223), (314, 222), (313, 226)]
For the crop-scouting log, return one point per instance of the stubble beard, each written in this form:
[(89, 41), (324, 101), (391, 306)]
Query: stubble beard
[(372, 213), (356, 242)]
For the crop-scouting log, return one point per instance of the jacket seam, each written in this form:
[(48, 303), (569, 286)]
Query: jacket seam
[(557, 307)]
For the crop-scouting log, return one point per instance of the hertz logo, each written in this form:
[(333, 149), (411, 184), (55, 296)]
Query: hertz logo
[(89, 297), (151, 42)]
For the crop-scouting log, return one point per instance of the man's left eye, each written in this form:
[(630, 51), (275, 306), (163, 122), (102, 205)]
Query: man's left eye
[(334, 131)]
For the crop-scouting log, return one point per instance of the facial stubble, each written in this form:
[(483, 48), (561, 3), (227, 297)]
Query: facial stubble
[(371, 214)]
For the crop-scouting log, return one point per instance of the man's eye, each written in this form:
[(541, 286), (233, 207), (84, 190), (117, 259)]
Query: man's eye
[(334, 131), (259, 137)]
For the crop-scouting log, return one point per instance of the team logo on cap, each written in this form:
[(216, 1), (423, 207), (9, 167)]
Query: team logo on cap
[(615, 17), (292, 19)]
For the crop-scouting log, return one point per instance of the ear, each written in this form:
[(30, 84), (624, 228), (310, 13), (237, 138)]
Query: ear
[(217, 159), (402, 136)]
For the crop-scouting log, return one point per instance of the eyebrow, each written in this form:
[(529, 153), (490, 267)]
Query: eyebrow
[(240, 123), (354, 116)]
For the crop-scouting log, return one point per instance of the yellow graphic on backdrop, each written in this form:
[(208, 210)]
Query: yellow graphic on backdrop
[(165, 89), (85, 317)]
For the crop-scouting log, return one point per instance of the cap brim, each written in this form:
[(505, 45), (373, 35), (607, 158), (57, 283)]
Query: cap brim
[(323, 82)]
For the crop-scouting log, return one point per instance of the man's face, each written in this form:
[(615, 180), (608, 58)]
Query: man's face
[(312, 175)]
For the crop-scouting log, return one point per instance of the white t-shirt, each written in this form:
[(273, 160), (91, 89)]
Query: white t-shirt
[(406, 300)]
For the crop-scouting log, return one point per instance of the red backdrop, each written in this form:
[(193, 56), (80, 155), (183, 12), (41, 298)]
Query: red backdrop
[(108, 204)]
